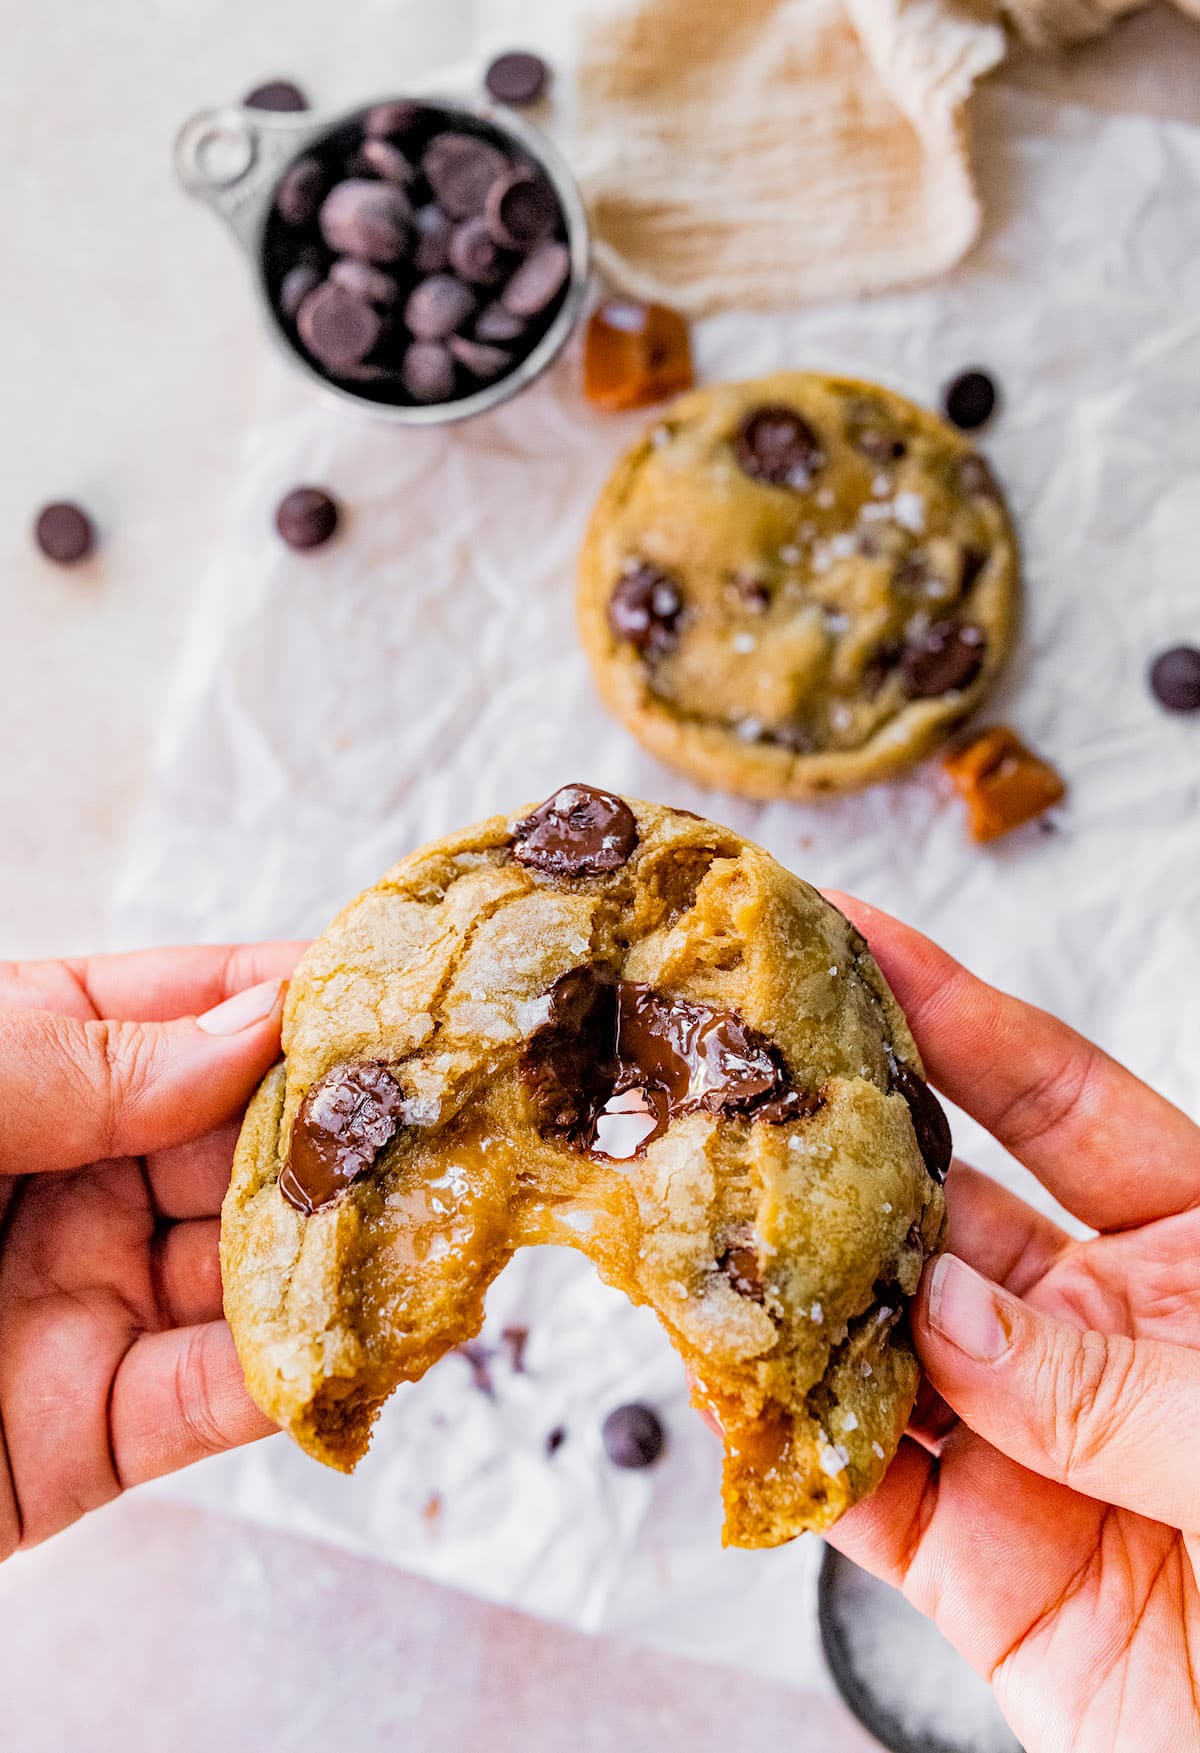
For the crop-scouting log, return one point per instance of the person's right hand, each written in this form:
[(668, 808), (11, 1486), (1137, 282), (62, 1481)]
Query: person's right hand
[(1053, 1530)]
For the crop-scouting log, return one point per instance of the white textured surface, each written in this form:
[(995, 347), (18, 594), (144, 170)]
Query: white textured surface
[(336, 709)]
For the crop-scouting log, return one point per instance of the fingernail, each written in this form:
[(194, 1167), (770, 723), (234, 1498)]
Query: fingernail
[(968, 1310), (242, 1010)]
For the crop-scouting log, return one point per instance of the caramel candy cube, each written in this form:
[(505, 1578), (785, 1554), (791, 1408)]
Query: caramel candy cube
[(1003, 783), (634, 354)]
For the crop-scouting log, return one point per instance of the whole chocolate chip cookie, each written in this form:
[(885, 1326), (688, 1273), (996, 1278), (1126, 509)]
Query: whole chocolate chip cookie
[(626, 1030), (797, 585)]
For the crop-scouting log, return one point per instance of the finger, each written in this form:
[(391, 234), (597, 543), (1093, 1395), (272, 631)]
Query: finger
[(74, 1092), (176, 1398), (1111, 1417), (998, 1233), (145, 986), (1110, 1149), (189, 1180), (187, 1275)]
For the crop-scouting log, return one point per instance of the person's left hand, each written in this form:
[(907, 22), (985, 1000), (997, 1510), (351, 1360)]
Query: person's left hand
[(122, 1085)]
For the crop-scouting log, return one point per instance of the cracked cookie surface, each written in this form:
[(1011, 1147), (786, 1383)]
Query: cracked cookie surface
[(623, 1029), (797, 585)]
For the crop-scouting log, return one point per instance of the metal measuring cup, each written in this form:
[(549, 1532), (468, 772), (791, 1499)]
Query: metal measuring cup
[(233, 159)]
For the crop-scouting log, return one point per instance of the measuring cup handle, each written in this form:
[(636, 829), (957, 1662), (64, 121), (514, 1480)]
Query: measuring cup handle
[(231, 160)]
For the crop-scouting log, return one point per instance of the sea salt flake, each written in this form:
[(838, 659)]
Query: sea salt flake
[(842, 545), (877, 1448), (748, 730), (824, 497), (886, 1206), (833, 972), (744, 642), (660, 436), (881, 486), (832, 1458), (908, 510), (849, 1422), (790, 554), (817, 1314)]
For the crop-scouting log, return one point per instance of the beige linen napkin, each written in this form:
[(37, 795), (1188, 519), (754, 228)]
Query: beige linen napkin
[(755, 153)]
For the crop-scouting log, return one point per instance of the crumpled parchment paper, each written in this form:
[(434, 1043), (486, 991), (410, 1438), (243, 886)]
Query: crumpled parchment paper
[(337, 709)]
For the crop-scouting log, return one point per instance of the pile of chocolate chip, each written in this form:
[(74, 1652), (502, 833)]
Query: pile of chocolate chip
[(414, 257)]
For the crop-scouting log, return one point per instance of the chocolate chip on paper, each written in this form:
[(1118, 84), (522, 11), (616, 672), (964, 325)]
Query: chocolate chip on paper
[(517, 77), (306, 517), (276, 94), (633, 1436), (64, 533)]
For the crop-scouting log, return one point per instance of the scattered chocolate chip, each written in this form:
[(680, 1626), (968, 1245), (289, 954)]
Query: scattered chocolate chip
[(479, 1360), (338, 328), (475, 254), (516, 78), (427, 371), (565, 1064), (929, 1120), (494, 323), (306, 517), (345, 1120), (633, 1436), (645, 608), (388, 162), (743, 1269), (296, 285), (438, 306), (300, 191), (539, 279), (580, 831), (521, 209), (460, 169), (275, 94), (478, 358), (389, 121), (432, 249), (775, 445), (555, 1439), (367, 219), (64, 533), (946, 658), (976, 478), (516, 1339), (969, 400), (1175, 679), (365, 281)]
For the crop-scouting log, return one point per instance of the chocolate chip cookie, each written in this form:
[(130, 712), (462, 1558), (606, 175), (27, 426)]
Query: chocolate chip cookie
[(797, 585), (620, 1028)]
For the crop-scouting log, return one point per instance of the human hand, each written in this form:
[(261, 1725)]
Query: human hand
[(1053, 1533), (120, 1106)]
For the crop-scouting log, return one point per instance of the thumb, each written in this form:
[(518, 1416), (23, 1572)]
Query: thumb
[(75, 1092), (1114, 1418)]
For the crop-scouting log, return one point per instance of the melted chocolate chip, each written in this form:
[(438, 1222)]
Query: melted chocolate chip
[(633, 1436), (743, 1269), (344, 1121), (615, 1061), (776, 445), (644, 610), (879, 667), (929, 1120), (946, 658), (580, 831)]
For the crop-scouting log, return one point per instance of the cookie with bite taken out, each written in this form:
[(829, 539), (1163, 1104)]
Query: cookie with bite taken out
[(620, 1028)]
